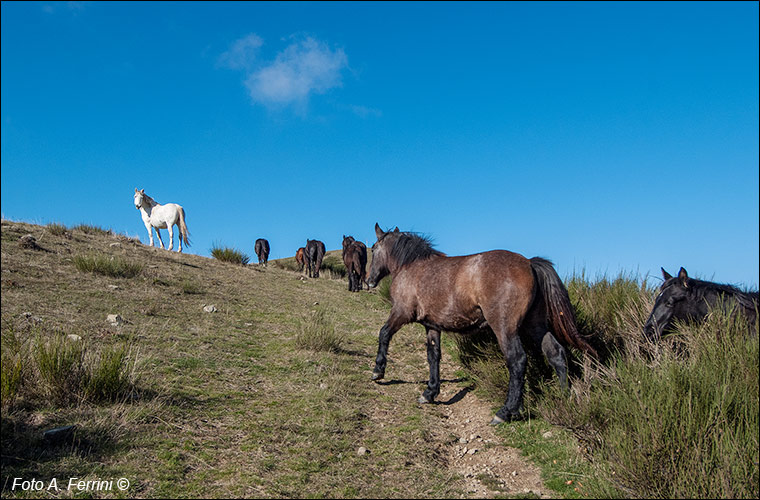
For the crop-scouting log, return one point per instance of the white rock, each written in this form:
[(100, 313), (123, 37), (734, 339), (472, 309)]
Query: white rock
[(209, 308), (115, 319)]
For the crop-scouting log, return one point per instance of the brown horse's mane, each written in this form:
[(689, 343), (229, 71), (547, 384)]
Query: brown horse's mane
[(409, 247)]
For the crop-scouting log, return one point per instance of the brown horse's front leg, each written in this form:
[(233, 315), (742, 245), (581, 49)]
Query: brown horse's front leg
[(384, 339), (434, 362)]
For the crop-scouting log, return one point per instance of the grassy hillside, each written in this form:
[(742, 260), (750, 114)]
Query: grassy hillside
[(227, 380), (270, 395)]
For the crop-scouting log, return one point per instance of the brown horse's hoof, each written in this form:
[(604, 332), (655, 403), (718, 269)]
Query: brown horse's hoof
[(377, 375)]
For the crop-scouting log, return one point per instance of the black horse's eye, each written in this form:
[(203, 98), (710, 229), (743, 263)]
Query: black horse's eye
[(670, 302)]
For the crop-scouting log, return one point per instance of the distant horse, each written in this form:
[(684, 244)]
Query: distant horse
[(313, 255), (687, 299), (262, 250), (158, 216), (355, 260), (515, 297), (300, 258)]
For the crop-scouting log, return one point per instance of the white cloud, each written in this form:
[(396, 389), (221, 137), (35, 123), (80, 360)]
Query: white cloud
[(242, 53)]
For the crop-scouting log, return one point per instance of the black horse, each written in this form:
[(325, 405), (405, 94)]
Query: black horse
[(262, 250), (313, 255), (687, 299), (355, 260)]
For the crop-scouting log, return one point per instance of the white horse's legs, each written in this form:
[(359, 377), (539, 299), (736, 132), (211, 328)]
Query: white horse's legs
[(171, 237), (158, 233), (150, 233), (179, 238)]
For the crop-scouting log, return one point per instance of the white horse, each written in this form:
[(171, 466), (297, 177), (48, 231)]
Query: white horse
[(158, 216)]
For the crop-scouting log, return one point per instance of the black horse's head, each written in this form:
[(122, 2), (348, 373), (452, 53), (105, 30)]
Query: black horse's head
[(677, 301)]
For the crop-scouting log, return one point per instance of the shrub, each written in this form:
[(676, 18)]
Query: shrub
[(57, 229), (229, 255), (107, 265), (317, 333), (90, 229), (334, 266)]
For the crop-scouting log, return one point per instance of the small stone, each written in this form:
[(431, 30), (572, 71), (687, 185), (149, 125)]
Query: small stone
[(73, 337), (462, 440), (547, 434), (472, 451), (209, 308), (362, 451), (514, 472), (113, 287), (115, 319)]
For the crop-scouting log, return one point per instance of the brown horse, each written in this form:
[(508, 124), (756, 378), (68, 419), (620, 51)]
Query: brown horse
[(300, 258), (517, 298), (355, 260)]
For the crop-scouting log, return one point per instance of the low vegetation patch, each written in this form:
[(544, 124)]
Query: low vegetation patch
[(676, 419), (57, 229), (107, 265), (63, 370), (90, 229), (230, 255), (317, 333)]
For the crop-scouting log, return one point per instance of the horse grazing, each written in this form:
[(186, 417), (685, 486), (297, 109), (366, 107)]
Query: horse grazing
[(158, 216), (313, 255), (687, 299), (300, 258), (519, 299), (262, 250), (355, 260)]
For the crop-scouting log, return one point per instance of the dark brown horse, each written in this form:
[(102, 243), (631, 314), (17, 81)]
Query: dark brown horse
[(313, 255), (355, 260), (262, 251), (519, 299), (300, 258)]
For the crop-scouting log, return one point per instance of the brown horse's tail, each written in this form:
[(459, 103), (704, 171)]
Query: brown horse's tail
[(557, 300), (183, 232)]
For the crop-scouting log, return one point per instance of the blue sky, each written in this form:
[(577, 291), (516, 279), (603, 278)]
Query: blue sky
[(606, 137)]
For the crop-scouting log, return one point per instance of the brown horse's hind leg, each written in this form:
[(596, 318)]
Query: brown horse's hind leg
[(434, 361), (556, 356), (517, 360)]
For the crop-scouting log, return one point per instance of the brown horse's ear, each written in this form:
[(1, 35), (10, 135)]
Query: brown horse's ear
[(683, 277), (378, 232), (666, 276)]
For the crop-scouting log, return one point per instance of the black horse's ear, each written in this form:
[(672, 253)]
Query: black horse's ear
[(396, 230), (666, 275), (378, 232), (683, 277)]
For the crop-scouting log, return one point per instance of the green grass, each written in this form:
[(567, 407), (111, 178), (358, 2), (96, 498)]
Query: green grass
[(57, 229), (672, 420), (113, 266), (231, 255), (317, 333), (92, 230)]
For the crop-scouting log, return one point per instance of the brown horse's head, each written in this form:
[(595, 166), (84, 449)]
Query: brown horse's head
[(381, 255), (394, 249)]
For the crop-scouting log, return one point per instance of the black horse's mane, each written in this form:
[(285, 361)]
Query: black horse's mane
[(409, 247), (703, 288)]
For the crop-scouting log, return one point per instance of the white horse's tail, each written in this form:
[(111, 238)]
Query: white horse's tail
[(183, 232)]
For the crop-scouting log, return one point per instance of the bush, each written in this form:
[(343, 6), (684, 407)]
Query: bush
[(63, 370), (57, 229), (317, 333), (334, 266), (106, 265), (229, 255), (90, 229)]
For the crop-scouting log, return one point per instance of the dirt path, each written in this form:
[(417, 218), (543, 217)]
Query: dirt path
[(471, 448)]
